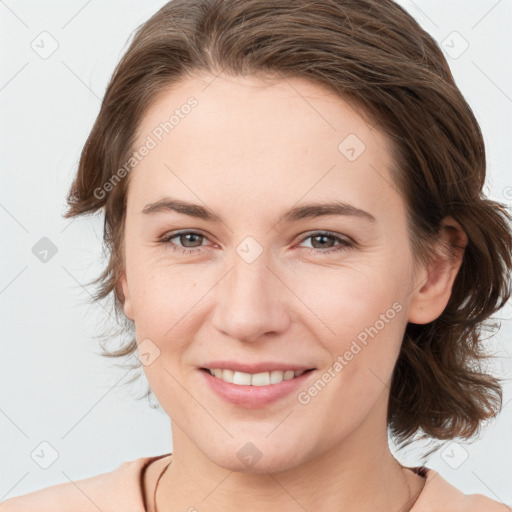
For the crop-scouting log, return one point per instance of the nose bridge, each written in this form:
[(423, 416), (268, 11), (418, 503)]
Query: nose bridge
[(250, 299)]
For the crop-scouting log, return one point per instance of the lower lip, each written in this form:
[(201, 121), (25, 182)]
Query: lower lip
[(253, 397)]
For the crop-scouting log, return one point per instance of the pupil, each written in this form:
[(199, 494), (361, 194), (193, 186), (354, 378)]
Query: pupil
[(324, 237), (192, 235)]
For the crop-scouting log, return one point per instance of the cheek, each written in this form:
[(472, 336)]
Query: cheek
[(166, 317), (362, 358), (360, 320), (370, 345), (161, 298), (358, 302)]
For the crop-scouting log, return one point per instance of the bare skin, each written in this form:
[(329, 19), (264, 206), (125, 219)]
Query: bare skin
[(250, 151)]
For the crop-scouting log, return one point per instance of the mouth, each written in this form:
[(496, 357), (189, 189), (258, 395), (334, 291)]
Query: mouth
[(255, 379), (255, 384), (255, 390)]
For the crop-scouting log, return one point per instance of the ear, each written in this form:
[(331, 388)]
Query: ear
[(435, 281), (125, 296)]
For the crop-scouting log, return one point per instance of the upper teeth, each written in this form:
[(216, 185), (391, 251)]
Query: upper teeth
[(255, 379)]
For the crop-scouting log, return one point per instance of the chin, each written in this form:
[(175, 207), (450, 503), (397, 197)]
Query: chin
[(253, 460)]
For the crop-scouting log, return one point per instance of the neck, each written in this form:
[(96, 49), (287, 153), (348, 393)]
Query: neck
[(359, 473)]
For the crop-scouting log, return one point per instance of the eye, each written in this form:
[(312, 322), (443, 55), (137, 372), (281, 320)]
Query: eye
[(185, 238), (319, 240)]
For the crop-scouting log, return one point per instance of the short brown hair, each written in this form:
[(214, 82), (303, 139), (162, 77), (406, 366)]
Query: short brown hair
[(374, 55)]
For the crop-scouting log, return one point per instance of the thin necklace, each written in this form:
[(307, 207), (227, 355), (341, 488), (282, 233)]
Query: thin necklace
[(406, 482), (409, 488), (157, 482)]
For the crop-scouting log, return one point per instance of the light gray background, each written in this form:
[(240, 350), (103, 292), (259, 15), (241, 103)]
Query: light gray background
[(55, 389)]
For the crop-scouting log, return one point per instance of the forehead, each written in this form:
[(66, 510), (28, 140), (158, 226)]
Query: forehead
[(259, 137), (256, 107)]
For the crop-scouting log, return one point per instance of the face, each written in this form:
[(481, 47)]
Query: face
[(322, 289)]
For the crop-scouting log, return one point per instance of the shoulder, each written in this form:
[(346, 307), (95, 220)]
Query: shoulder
[(439, 494), (111, 491)]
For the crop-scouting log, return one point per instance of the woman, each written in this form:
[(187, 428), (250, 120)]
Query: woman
[(299, 239)]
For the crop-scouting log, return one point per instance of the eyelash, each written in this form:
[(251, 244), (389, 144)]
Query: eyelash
[(345, 244)]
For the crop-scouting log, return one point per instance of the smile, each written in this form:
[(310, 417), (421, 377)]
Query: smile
[(254, 379)]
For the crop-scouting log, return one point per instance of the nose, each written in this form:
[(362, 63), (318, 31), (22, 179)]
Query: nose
[(251, 301)]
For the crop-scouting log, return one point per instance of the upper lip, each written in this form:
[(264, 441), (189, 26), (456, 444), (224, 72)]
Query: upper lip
[(267, 366)]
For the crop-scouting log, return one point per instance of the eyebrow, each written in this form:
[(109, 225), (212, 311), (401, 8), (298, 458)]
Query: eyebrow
[(307, 211)]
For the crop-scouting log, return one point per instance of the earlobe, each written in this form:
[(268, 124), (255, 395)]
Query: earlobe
[(434, 287), (125, 296)]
